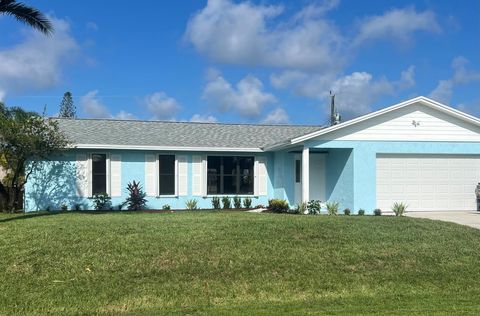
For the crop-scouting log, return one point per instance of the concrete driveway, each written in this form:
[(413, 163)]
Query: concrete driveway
[(471, 219)]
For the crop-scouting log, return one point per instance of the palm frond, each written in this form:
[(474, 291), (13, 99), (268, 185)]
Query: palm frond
[(26, 14)]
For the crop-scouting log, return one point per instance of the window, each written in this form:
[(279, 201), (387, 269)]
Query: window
[(99, 174), (298, 170), (166, 171), (230, 175)]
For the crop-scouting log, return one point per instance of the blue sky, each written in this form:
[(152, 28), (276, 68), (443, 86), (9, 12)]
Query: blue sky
[(242, 61)]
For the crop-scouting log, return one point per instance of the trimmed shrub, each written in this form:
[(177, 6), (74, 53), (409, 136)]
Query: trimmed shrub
[(227, 203), (64, 207), (377, 212), (346, 211), (247, 202), (237, 202), (278, 206), (313, 207), (399, 208), (101, 202), (191, 204), (361, 212), (136, 196), (216, 203), (332, 208), (77, 207), (166, 207), (259, 206)]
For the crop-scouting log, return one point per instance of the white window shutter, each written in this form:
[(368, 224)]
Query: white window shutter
[(197, 176), (115, 175), (151, 175), (204, 175), (182, 175), (261, 176), (82, 175)]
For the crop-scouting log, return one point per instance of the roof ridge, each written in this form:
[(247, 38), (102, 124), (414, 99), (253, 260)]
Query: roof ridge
[(182, 122)]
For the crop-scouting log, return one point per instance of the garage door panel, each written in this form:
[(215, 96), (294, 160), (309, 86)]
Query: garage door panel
[(427, 183)]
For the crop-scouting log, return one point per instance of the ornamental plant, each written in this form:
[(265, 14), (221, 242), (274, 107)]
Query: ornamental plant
[(332, 208), (136, 196), (237, 202), (101, 202), (216, 203), (191, 205), (278, 206), (227, 203), (247, 203), (399, 208)]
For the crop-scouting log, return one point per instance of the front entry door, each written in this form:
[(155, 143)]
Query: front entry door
[(298, 178)]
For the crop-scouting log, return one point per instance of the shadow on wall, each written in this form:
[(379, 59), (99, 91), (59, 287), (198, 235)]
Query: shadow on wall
[(52, 184)]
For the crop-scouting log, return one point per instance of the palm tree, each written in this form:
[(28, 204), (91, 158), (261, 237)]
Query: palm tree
[(27, 15)]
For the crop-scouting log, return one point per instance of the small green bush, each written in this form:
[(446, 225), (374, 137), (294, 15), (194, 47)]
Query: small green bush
[(314, 207), (278, 206), (64, 207), (300, 208), (191, 204), (227, 203), (377, 212), (332, 208), (166, 207), (102, 202), (216, 203), (77, 207), (247, 202), (237, 202), (346, 211), (361, 212), (399, 208), (259, 206)]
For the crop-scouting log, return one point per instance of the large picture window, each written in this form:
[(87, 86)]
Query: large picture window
[(99, 174), (166, 170), (230, 175)]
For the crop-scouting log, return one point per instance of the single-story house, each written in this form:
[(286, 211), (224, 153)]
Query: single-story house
[(420, 152)]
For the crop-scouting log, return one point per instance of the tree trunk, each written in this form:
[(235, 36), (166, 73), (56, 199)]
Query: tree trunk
[(4, 198)]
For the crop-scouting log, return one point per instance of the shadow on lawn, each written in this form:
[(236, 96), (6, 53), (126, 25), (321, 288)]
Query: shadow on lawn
[(27, 216)]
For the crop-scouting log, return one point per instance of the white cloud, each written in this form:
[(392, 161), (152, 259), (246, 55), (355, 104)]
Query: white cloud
[(245, 33), (91, 26), (277, 116), (161, 106), (396, 24), (246, 98), (93, 107), (37, 62), (123, 115), (202, 118), (355, 92), (443, 92)]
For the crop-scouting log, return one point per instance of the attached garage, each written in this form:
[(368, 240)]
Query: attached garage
[(428, 182)]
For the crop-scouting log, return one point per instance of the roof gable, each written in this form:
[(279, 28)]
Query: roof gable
[(396, 122)]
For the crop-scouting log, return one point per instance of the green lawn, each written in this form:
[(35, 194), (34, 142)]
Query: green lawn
[(236, 263)]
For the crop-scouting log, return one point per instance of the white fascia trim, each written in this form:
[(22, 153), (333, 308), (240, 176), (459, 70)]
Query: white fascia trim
[(426, 101), (170, 148)]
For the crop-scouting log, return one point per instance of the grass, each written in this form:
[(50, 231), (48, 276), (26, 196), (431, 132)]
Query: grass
[(229, 263)]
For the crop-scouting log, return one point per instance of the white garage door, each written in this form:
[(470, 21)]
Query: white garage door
[(428, 183)]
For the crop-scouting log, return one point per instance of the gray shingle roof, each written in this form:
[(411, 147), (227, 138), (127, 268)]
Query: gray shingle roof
[(178, 134)]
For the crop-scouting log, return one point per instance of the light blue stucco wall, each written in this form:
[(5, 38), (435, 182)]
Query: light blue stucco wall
[(53, 183), (360, 166), (350, 174)]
